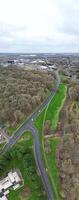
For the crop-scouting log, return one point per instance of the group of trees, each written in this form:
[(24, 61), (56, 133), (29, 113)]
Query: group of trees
[(21, 91), (68, 154)]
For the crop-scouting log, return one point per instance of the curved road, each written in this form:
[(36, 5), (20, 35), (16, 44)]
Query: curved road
[(28, 125)]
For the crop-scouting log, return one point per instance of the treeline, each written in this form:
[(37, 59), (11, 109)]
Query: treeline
[(68, 155), (21, 91)]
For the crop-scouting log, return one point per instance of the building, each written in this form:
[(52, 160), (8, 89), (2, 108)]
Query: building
[(12, 180), (52, 67), (11, 62), (44, 68)]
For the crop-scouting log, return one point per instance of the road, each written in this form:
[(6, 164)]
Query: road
[(28, 125)]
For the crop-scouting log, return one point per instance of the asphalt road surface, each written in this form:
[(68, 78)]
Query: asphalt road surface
[(25, 125), (28, 125)]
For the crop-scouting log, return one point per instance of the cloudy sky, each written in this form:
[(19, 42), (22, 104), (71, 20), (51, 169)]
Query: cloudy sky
[(39, 26)]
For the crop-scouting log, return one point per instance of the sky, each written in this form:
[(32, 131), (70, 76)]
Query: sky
[(41, 26)]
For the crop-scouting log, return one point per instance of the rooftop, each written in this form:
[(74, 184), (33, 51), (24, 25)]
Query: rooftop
[(12, 180)]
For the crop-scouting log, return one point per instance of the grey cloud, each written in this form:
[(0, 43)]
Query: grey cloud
[(69, 25), (70, 17)]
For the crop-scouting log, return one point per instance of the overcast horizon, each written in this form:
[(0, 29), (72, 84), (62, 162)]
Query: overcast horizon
[(39, 26)]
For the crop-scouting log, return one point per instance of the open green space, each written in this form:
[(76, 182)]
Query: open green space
[(39, 121), (55, 106), (52, 164), (21, 157)]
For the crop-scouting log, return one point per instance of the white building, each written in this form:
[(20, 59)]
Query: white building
[(12, 180), (43, 67)]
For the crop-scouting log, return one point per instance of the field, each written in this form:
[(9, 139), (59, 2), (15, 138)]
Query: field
[(21, 157)]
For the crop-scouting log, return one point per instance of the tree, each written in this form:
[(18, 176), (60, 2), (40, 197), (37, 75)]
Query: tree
[(47, 127)]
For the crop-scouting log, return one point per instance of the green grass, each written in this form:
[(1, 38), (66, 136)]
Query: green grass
[(21, 157), (13, 195), (39, 120), (52, 165), (55, 106)]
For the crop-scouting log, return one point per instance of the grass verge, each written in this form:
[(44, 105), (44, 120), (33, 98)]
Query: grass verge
[(52, 164), (55, 106), (52, 113)]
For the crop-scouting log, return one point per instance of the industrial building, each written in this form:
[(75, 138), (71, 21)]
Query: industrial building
[(12, 180)]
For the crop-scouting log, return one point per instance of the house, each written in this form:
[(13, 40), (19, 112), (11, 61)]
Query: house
[(12, 180)]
